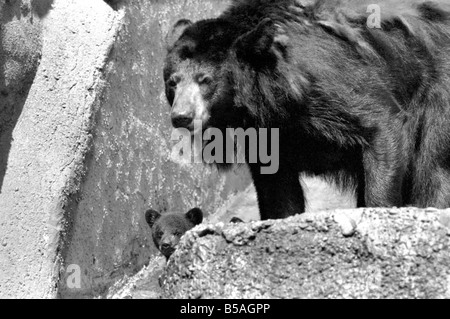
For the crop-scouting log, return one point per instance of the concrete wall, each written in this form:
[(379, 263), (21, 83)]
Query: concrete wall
[(374, 253), (45, 148), (85, 142), (24, 261)]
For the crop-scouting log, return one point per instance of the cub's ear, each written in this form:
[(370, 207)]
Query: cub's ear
[(151, 216), (176, 32), (195, 216), (261, 45)]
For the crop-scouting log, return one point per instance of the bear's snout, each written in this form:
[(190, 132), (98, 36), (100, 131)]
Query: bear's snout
[(167, 249), (184, 120)]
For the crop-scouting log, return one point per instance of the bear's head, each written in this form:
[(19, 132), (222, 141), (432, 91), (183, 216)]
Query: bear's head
[(168, 228), (213, 68)]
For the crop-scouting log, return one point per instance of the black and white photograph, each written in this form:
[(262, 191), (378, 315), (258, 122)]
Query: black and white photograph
[(218, 156)]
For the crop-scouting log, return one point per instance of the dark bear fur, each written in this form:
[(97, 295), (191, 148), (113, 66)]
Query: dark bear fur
[(168, 228), (368, 109)]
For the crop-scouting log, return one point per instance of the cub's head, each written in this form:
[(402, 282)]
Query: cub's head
[(167, 229)]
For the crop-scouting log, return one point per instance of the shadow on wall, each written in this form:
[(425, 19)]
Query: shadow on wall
[(114, 4), (20, 48), (41, 7)]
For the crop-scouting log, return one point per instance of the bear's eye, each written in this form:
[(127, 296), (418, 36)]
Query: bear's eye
[(173, 81), (204, 79)]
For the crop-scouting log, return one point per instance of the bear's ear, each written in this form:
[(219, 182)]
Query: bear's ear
[(236, 220), (262, 44), (151, 216), (195, 215), (176, 32)]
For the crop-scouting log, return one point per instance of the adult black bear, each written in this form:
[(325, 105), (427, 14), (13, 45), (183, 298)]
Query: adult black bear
[(364, 107), (167, 229)]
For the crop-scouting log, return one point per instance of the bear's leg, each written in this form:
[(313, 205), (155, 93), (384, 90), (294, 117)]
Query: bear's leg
[(279, 195), (383, 175), (440, 195), (431, 186)]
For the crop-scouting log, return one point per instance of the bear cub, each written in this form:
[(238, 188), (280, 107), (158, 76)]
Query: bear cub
[(167, 229)]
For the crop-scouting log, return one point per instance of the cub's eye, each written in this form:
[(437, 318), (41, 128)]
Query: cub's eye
[(177, 234), (158, 234)]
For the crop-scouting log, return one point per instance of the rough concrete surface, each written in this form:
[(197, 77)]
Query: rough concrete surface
[(45, 129), (143, 285), (364, 253)]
